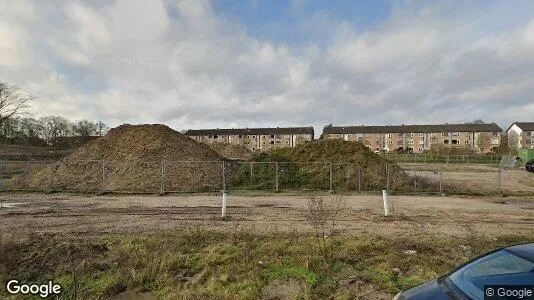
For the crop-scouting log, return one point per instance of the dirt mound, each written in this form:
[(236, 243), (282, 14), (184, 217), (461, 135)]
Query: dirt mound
[(324, 150), (231, 151), (314, 164), (134, 158)]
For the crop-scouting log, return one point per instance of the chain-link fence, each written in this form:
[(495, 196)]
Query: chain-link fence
[(445, 159), (211, 176)]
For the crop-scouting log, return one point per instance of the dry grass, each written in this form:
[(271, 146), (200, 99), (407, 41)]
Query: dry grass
[(202, 264)]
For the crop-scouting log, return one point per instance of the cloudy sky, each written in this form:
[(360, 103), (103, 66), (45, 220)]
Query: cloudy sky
[(226, 63)]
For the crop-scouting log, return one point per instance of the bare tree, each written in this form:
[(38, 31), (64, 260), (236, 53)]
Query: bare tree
[(31, 128), (85, 128), (12, 101), (55, 127)]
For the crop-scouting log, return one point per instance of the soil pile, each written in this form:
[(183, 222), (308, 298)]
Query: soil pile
[(351, 165), (132, 158), (231, 151)]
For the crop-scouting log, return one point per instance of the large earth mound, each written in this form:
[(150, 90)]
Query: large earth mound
[(132, 158), (231, 151), (351, 165)]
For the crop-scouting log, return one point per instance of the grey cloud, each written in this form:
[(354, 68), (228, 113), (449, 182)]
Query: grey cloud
[(178, 62)]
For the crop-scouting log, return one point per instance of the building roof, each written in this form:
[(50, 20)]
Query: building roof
[(525, 126), (413, 128), (249, 131)]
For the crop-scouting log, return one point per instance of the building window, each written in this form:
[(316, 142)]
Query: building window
[(455, 142), (209, 136), (455, 134), (412, 135), (215, 136), (389, 134), (421, 142), (445, 134), (272, 136), (240, 136), (445, 141), (272, 142), (421, 135), (467, 142)]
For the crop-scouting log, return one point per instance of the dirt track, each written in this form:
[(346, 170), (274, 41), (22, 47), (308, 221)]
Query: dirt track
[(413, 215)]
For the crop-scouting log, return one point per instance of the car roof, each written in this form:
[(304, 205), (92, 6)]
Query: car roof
[(524, 250)]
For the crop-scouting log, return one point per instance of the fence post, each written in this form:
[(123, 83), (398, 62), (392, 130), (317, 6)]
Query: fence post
[(1, 175), (359, 179), (330, 167), (223, 207), (103, 176), (386, 203), (415, 182), (387, 177), (441, 183), (499, 181), (25, 176), (163, 177), (250, 163), (51, 178), (224, 176), (276, 177)]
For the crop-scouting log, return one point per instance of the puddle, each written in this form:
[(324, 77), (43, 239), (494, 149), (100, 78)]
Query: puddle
[(516, 202), (10, 204)]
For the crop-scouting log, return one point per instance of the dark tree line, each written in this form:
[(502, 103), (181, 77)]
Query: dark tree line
[(53, 131), (17, 127)]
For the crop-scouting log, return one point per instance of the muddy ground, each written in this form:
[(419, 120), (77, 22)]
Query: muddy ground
[(470, 178), (412, 215)]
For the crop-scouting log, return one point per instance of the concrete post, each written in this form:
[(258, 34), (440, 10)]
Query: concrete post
[(224, 177), (386, 202), (223, 208)]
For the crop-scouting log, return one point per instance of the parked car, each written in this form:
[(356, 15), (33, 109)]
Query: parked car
[(529, 166), (512, 265)]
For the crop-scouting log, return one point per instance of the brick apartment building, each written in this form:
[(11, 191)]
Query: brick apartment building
[(418, 138), (524, 132), (255, 138)]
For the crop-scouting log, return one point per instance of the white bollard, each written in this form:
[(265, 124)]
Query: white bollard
[(223, 213), (386, 204)]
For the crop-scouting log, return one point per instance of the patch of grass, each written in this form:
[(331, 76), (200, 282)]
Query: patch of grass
[(210, 265)]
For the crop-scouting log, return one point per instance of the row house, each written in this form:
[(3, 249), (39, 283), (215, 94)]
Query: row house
[(254, 138), (521, 134), (418, 138)]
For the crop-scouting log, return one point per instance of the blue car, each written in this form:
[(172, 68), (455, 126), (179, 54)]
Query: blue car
[(512, 265)]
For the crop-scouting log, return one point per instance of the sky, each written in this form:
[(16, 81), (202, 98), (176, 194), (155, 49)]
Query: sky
[(195, 64)]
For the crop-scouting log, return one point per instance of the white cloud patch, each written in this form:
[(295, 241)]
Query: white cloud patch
[(179, 63)]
